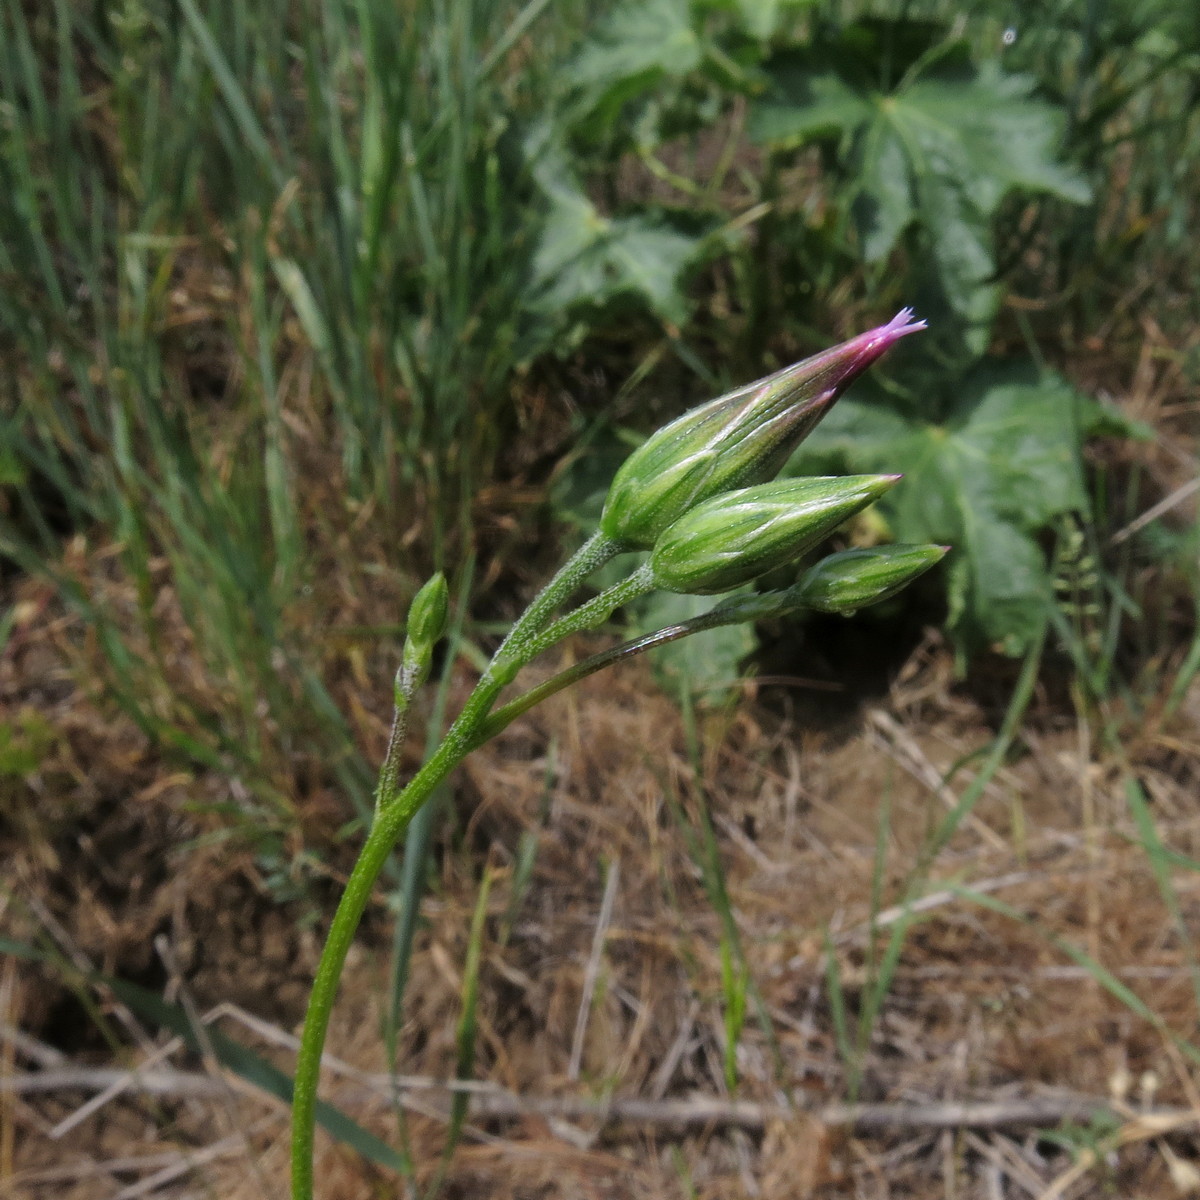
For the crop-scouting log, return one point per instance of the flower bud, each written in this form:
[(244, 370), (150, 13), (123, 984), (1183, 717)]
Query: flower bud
[(846, 582), (739, 535), (426, 624), (428, 611), (739, 439)]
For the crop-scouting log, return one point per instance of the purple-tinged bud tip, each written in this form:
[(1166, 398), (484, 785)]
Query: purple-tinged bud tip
[(860, 352), (900, 325)]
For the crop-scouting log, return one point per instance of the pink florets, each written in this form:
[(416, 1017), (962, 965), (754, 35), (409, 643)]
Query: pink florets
[(903, 323)]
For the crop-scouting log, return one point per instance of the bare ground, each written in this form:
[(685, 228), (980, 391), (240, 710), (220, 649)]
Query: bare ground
[(601, 1012)]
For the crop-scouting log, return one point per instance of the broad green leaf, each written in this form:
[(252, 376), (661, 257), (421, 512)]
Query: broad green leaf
[(883, 208), (922, 137), (760, 19), (808, 100), (986, 481), (585, 259), (640, 43), (635, 46), (588, 260)]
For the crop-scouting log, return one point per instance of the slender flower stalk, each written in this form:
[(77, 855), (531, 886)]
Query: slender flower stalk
[(698, 495)]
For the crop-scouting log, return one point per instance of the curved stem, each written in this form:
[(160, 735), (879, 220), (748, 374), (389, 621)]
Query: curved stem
[(392, 818), (389, 774), (587, 616), (592, 555)]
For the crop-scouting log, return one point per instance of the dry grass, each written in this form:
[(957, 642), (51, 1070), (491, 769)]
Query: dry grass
[(108, 850), (602, 1029)]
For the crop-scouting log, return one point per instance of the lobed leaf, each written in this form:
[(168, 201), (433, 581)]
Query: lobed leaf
[(585, 260), (937, 144), (1001, 467)]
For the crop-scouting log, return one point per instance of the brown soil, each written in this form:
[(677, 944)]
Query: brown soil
[(113, 866)]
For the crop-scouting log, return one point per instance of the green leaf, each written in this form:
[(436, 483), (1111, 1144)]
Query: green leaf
[(884, 207), (655, 68), (1001, 467), (922, 137), (637, 44), (758, 18), (25, 742), (587, 260), (808, 100)]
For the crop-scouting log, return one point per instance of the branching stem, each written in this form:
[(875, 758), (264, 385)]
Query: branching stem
[(396, 808)]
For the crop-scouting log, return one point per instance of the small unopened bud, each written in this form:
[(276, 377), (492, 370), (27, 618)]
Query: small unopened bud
[(740, 535), (426, 624), (846, 582), (428, 611), (737, 440)]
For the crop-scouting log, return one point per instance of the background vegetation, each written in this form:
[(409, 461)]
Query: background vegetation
[(301, 302)]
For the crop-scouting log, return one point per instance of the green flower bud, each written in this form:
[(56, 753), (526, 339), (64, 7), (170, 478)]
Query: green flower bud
[(426, 624), (737, 536), (846, 582), (428, 611), (739, 439)]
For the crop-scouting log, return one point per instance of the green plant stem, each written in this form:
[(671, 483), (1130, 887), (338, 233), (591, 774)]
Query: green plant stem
[(736, 612), (391, 822), (592, 555), (389, 773), (590, 615), (394, 814)]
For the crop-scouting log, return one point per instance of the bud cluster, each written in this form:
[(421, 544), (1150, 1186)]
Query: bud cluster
[(699, 494)]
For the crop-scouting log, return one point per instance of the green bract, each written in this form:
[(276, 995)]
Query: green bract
[(740, 535), (739, 439), (851, 580)]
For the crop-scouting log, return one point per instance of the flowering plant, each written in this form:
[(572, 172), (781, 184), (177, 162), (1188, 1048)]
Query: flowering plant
[(699, 495)]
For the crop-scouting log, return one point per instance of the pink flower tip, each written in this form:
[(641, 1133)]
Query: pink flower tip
[(903, 323), (883, 338)]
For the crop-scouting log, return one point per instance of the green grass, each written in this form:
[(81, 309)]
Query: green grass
[(236, 237), (265, 283)]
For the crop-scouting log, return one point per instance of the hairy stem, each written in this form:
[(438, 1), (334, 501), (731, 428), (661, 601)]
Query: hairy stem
[(588, 616), (735, 612), (395, 811)]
